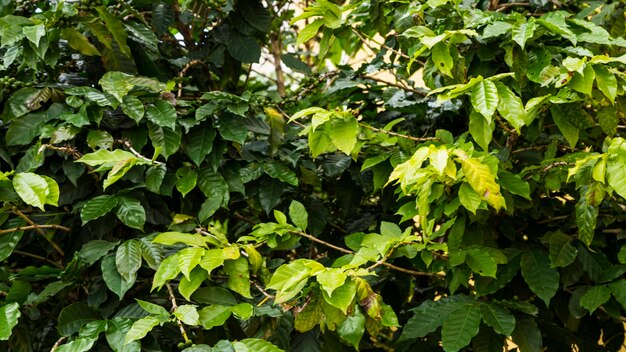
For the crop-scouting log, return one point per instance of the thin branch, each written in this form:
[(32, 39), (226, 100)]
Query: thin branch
[(174, 307), (416, 139), (348, 251), (184, 71), (28, 220), (58, 343), (278, 69), (382, 45), (128, 145), (504, 7), (307, 89), (38, 227), (35, 256), (397, 85), (383, 259), (258, 287), (35, 227)]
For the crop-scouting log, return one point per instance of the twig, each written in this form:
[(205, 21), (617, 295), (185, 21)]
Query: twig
[(258, 287), (174, 307), (276, 50), (383, 259), (58, 343), (403, 87), (347, 251), (184, 71), (382, 45), (128, 145), (416, 139), (35, 227), (27, 254), (39, 230), (555, 218), (503, 7), (28, 220), (65, 150), (304, 91)]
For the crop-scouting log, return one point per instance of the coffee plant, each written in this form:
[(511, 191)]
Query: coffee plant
[(284, 175)]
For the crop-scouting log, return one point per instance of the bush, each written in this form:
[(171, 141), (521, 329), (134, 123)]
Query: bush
[(161, 189)]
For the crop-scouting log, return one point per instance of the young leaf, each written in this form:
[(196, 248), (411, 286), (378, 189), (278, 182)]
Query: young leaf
[(343, 133), (481, 179), (141, 328), (522, 31), (469, 198), (167, 271), (606, 81), (32, 188), (298, 215), (342, 296), (238, 276), (189, 258), (352, 329), (442, 59), (188, 314), (9, 314), (510, 107), (484, 98)]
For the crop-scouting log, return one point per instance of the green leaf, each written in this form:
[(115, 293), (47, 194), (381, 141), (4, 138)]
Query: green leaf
[(73, 317), (352, 329), (168, 270), (526, 335), (214, 315), (583, 82), (141, 328), (96, 249), (99, 140), (523, 31), (481, 262), (621, 255), (342, 297), (298, 215), (606, 81), (164, 139), (616, 166), (510, 107), (151, 253), (608, 119), (481, 179), (281, 172), (112, 278), (186, 180), (189, 258), (35, 33), (330, 279), (78, 41), (173, 237), (131, 212), (78, 345), (442, 59), (117, 84), (22, 130), (542, 279), (484, 98), (243, 48), (469, 198), (595, 297), (238, 276), (32, 188), (188, 314), (208, 208), (133, 107), (153, 309), (514, 184), (430, 315), (212, 259), (128, 259), (256, 345), (162, 113), (232, 129), (480, 129), (200, 142), (309, 31), (97, 207), (9, 315), (562, 253), (343, 133), (499, 318), (586, 217), (114, 25), (569, 131), (107, 157), (459, 329), (618, 290), (188, 286)]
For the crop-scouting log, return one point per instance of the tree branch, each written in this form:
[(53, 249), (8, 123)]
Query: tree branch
[(416, 139), (183, 332), (35, 256)]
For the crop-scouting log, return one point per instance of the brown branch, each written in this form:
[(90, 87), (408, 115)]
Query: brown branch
[(504, 7), (397, 85), (38, 228), (28, 220), (258, 287), (35, 256), (184, 71), (304, 91), (416, 139), (128, 145), (348, 251), (183, 333), (276, 50), (382, 45), (58, 343), (383, 259), (35, 227)]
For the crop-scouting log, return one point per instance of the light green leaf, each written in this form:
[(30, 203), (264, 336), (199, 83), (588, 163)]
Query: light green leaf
[(616, 166), (153, 309), (309, 31), (238, 276), (32, 188), (583, 82), (212, 259), (107, 157), (97, 207), (128, 259), (342, 297), (78, 41), (442, 59), (114, 25), (186, 180), (469, 198), (188, 286), (189, 258), (484, 98), (35, 33), (510, 107), (459, 329), (480, 129), (214, 315), (117, 84), (343, 133), (595, 297), (481, 179), (167, 271), (9, 315), (188, 314), (141, 328), (352, 329), (542, 279), (522, 31), (173, 237), (78, 345), (330, 279), (118, 171), (255, 345), (298, 215), (162, 113)]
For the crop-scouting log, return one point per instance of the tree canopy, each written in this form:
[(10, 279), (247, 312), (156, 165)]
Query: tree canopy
[(247, 175)]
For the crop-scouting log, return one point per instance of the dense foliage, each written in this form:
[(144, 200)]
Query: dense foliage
[(246, 175)]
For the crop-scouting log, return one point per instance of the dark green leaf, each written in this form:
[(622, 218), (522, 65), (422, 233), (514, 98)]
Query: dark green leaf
[(542, 279)]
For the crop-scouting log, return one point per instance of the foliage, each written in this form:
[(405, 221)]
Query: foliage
[(161, 189)]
